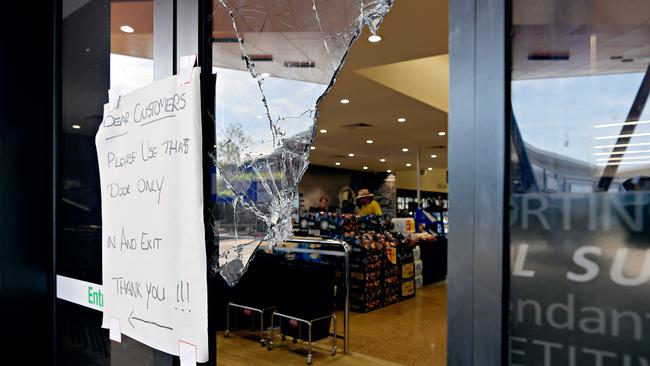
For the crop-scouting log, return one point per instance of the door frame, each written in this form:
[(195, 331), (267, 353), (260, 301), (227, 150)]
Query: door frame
[(478, 152), (478, 194)]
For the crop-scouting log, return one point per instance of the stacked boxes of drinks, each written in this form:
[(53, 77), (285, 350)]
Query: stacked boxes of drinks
[(419, 280), (418, 267), (407, 272), (391, 284), (391, 270), (320, 224), (375, 269), (365, 274), (337, 226)]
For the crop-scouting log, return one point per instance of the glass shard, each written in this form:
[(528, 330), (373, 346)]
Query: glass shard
[(275, 60)]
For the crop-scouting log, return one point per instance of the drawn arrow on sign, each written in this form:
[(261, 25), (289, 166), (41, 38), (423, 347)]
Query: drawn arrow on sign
[(147, 322)]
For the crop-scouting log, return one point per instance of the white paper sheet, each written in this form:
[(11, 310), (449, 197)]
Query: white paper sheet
[(187, 354), (154, 260), (114, 332)]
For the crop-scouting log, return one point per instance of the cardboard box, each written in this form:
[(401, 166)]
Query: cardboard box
[(408, 289), (408, 270)]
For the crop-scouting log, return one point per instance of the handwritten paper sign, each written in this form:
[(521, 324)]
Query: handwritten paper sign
[(153, 256)]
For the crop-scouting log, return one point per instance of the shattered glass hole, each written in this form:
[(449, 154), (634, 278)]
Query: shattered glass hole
[(275, 60)]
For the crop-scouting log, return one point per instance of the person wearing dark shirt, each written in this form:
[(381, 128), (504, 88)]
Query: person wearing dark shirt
[(323, 204)]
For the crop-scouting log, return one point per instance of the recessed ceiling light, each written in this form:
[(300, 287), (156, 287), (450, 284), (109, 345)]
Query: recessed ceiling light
[(76, 127), (323, 131), (345, 101), (382, 160), (408, 164), (350, 154), (312, 148), (405, 149), (442, 133), (401, 119), (265, 74), (429, 168), (127, 29), (337, 163), (434, 156), (374, 38), (389, 171), (369, 141), (365, 168)]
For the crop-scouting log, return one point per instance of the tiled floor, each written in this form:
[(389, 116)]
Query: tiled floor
[(412, 332)]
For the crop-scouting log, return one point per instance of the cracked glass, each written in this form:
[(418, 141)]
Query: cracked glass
[(275, 60)]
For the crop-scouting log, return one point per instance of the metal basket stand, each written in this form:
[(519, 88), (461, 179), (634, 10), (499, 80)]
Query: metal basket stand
[(263, 340)]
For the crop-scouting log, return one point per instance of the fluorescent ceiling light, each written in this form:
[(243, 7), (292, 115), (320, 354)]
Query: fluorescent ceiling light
[(624, 158), (622, 152), (442, 133), (401, 120), (433, 156), (323, 131), (625, 163), (622, 145), (345, 101), (369, 141), (405, 149), (622, 124), (374, 38), (127, 29), (624, 135), (76, 127)]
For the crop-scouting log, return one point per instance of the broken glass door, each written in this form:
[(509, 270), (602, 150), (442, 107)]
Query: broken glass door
[(275, 61)]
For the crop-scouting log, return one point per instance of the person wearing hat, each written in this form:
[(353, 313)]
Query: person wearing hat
[(368, 204)]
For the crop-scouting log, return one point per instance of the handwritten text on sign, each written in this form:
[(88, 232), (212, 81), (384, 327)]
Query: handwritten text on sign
[(154, 265)]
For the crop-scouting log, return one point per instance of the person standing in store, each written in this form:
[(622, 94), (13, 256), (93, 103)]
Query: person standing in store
[(323, 204), (368, 205)]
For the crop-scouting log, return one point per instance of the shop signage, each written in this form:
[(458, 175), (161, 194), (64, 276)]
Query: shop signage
[(153, 254), (83, 293), (580, 279)]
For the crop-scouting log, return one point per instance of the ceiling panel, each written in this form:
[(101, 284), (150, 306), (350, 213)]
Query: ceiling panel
[(407, 65)]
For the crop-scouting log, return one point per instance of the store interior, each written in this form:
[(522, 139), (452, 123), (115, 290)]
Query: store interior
[(381, 133)]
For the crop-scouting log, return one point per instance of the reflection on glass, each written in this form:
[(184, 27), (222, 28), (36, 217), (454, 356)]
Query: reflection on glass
[(130, 73), (580, 182), (274, 61), (95, 56), (131, 60)]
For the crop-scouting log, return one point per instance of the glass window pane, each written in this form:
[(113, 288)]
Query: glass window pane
[(580, 183), (274, 61), (105, 44)]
